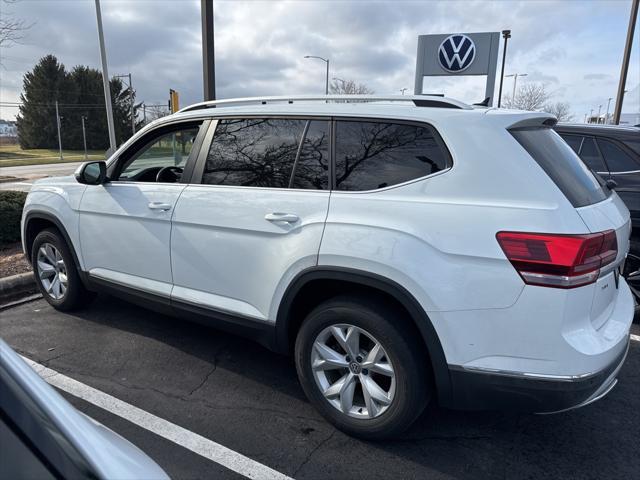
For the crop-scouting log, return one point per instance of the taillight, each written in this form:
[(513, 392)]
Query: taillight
[(560, 261)]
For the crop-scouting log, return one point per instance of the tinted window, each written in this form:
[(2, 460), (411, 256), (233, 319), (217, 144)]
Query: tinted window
[(617, 159), (562, 165), (263, 152), (372, 155), (633, 145), (591, 156), (574, 141)]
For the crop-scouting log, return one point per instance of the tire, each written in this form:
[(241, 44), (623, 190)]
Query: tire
[(632, 275), (50, 250), (377, 322)]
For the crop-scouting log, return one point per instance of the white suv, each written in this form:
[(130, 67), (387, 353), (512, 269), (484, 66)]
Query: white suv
[(401, 248)]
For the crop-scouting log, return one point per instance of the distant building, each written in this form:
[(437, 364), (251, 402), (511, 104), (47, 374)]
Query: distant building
[(8, 128)]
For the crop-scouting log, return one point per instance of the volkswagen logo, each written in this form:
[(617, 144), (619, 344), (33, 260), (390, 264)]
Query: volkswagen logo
[(456, 53), (355, 368)]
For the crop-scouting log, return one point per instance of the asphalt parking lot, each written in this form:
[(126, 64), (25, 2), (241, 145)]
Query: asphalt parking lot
[(244, 397)]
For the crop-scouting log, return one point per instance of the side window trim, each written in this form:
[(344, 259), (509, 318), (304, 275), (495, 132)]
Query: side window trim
[(414, 123), (115, 167)]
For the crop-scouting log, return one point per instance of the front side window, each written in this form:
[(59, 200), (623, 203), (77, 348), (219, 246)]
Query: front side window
[(617, 159), (372, 155), (165, 155), (268, 152)]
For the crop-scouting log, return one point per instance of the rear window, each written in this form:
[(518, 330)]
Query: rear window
[(562, 165)]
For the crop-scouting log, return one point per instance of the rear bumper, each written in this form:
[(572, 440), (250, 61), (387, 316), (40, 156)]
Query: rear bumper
[(500, 390)]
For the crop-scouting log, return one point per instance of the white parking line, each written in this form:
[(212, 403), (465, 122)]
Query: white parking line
[(635, 338), (172, 432)]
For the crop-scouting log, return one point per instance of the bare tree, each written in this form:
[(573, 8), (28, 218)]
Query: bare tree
[(154, 112), (530, 96), (348, 87), (12, 30), (561, 110)]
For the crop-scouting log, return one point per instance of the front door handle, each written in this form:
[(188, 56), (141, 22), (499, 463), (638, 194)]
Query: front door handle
[(281, 217), (159, 206)]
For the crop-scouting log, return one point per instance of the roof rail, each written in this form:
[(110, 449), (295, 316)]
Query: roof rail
[(435, 101)]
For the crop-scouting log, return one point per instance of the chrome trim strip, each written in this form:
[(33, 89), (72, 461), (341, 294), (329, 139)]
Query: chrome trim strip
[(541, 376)]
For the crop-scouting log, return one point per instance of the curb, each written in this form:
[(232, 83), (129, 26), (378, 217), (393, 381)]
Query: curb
[(11, 179), (17, 285)]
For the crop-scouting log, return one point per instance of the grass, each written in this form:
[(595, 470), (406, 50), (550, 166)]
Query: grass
[(13, 155)]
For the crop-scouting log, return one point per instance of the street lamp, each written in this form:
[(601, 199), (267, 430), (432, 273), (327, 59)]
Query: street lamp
[(402, 90), (326, 60), (515, 82)]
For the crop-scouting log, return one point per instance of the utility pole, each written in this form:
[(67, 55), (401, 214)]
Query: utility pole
[(625, 62), (506, 34), (59, 136), (105, 84), (208, 52), (84, 138)]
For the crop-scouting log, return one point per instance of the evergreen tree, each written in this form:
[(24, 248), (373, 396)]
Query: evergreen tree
[(46, 83)]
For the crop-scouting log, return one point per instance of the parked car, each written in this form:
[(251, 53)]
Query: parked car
[(43, 436), (401, 248), (613, 152)]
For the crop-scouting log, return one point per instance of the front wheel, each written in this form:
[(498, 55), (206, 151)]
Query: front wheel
[(361, 366), (56, 272)]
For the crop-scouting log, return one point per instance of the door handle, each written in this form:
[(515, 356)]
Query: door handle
[(281, 217), (159, 206)]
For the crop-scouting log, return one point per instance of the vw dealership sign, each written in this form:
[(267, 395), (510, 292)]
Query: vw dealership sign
[(458, 54)]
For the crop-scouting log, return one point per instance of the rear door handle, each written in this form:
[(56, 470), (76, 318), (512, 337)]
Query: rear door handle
[(281, 217), (159, 206)]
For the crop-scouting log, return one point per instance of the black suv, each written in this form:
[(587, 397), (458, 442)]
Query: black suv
[(614, 153)]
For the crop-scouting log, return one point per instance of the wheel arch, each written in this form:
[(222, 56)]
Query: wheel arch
[(37, 221), (300, 297)]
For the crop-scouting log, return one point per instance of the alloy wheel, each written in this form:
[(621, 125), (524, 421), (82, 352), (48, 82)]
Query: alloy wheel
[(51, 270), (353, 371)]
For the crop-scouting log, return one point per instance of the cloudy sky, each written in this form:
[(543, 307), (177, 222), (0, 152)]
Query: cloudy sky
[(573, 46)]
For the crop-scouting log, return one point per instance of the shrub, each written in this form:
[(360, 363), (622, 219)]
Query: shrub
[(11, 204)]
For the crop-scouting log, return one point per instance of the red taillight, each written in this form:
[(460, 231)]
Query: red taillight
[(561, 261)]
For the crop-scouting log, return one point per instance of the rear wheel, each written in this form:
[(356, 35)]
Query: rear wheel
[(632, 274), (56, 272), (360, 364)]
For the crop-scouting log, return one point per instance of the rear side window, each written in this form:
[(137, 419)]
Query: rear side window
[(268, 152), (562, 165), (372, 155), (590, 155), (574, 141), (617, 159)]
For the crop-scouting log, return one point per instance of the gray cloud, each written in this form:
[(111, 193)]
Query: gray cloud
[(260, 44)]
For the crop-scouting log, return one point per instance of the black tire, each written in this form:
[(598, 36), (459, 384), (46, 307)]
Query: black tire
[(400, 341), (632, 274), (76, 295)]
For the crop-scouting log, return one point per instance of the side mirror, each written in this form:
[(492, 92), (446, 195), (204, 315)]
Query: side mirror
[(92, 173)]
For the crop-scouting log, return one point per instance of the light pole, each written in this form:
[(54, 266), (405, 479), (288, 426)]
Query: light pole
[(59, 136), (506, 34), (591, 116), (402, 90), (84, 138), (208, 52), (515, 82), (606, 116), (105, 83), (326, 60), (133, 120), (599, 111)]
